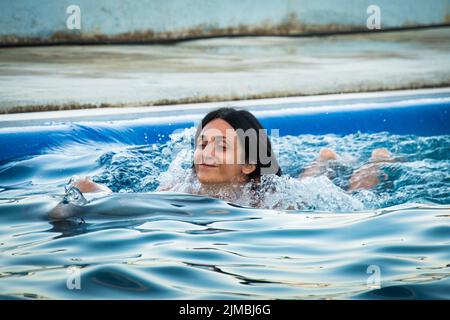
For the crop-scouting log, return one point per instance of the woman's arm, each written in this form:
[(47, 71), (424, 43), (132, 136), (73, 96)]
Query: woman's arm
[(86, 185), (73, 207)]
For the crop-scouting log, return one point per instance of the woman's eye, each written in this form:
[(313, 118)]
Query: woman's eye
[(221, 146), (201, 144)]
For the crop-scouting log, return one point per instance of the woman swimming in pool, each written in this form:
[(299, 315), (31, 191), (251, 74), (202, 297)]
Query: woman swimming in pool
[(232, 149)]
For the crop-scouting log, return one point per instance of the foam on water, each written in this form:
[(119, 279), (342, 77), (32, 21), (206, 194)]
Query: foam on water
[(140, 244), (421, 172)]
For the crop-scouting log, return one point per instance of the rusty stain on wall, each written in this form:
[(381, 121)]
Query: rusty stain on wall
[(290, 27)]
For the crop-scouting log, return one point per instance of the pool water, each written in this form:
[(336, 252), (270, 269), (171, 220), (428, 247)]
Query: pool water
[(390, 242)]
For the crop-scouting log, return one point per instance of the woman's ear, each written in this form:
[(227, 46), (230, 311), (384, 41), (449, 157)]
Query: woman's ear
[(248, 168)]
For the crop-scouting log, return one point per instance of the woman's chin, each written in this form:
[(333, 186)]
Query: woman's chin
[(206, 179)]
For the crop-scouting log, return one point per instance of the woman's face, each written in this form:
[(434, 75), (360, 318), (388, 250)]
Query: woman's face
[(218, 156)]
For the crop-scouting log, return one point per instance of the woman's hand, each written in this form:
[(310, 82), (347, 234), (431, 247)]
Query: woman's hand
[(86, 185), (73, 201)]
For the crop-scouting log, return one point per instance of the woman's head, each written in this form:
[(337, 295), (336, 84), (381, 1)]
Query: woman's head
[(232, 146)]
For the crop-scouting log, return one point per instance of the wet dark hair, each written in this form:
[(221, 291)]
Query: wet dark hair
[(242, 119)]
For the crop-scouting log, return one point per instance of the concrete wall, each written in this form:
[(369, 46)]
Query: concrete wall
[(38, 22)]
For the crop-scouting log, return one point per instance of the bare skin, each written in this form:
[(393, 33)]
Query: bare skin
[(217, 151), (318, 166), (212, 172), (215, 157), (86, 185), (218, 156), (365, 177), (368, 176)]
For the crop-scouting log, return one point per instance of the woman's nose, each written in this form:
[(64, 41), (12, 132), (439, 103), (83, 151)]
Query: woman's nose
[(209, 151)]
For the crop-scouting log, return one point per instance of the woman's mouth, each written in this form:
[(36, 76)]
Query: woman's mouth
[(207, 166)]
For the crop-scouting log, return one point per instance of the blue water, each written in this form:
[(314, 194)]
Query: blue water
[(137, 244)]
